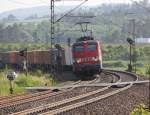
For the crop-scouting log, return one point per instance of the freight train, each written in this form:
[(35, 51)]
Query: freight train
[(87, 56), (35, 58), (84, 56)]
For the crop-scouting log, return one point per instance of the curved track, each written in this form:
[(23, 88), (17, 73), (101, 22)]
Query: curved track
[(29, 101), (72, 99), (108, 92), (71, 102), (15, 98)]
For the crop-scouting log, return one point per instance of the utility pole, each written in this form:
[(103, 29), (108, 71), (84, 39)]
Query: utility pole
[(148, 71), (52, 36), (131, 43), (134, 45), (52, 7)]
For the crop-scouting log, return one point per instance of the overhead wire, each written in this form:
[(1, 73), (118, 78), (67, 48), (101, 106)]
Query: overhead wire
[(70, 11)]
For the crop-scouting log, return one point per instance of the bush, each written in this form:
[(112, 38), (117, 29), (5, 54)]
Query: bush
[(139, 64), (140, 110), (37, 73), (148, 70), (140, 70), (30, 81), (114, 64), (23, 81)]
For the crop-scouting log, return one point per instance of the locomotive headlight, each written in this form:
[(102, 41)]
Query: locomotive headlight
[(95, 58), (78, 60)]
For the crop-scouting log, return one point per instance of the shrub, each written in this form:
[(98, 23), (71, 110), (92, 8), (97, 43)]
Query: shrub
[(140, 110), (37, 73), (114, 64), (139, 64), (148, 70), (30, 81), (22, 81)]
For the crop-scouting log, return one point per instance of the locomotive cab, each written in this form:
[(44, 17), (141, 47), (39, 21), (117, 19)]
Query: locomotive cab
[(87, 57)]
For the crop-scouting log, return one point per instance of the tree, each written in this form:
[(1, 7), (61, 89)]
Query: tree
[(11, 17)]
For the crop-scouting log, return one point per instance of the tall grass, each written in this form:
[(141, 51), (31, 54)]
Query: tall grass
[(23, 81), (140, 110), (141, 68)]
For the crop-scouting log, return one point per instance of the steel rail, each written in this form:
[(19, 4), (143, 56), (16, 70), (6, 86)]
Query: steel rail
[(73, 98), (83, 103), (11, 96), (35, 99), (105, 84), (16, 98), (31, 99), (22, 97), (86, 102), (59, 103)]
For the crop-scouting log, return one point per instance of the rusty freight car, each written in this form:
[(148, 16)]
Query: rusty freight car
[(35, 59)]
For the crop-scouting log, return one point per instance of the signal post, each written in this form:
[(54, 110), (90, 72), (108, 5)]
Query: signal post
[(24, 54)]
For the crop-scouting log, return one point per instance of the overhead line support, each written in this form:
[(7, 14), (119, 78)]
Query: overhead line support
[(52, 33)]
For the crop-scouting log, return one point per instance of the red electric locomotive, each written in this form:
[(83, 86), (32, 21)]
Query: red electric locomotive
[(87, 56)]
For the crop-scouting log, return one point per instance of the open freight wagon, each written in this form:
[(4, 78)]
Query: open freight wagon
[(41, 59)]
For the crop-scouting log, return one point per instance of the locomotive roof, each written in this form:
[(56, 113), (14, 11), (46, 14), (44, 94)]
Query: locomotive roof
[(88, 41)]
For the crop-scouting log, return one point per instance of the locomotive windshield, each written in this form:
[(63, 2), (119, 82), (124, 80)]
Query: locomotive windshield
[(91, 47), (78, 48)]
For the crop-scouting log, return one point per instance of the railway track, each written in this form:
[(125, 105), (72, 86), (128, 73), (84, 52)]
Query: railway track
[(93, 99), (11, 96), (70, 100), (55, 105), (34, 100), (14, 98), (21, 97), (63, 110)]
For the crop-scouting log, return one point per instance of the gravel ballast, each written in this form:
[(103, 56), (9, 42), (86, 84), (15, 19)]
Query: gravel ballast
[(119, 104)]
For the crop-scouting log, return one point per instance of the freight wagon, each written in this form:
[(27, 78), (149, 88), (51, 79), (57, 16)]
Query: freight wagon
[(35, 59)]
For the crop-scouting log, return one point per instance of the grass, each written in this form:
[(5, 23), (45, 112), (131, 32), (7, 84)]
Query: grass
[(38, 20), (140, 110), (123, 65), (38, 78), (22, 81)]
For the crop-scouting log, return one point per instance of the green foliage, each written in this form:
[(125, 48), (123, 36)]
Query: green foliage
[(18, 46), (114, 64), (37, 73), (22, 81), (4, 86), (140, 70), (121, 52), (147, 70), (115, 52), (30, 81), (140, 110), (111, 25)]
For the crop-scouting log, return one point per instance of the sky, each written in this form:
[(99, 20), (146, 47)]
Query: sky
[(6, 5)]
